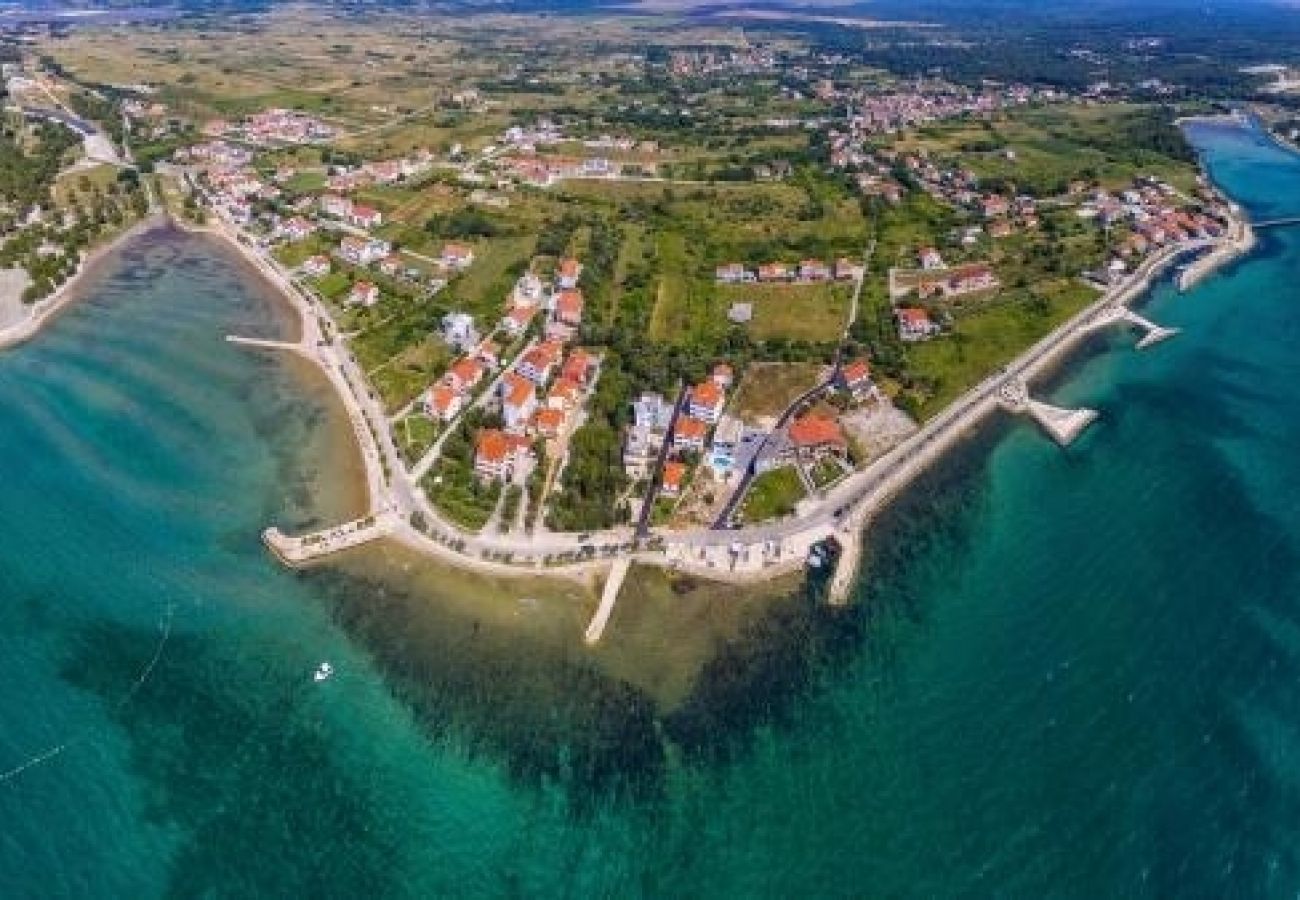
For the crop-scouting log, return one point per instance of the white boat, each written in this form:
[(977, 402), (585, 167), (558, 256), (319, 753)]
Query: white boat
[(323, 671)]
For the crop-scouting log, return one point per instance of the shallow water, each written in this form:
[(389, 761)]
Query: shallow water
[(1070, 673)]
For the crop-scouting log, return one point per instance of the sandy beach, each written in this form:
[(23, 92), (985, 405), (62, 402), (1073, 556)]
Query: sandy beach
[(29, 323)]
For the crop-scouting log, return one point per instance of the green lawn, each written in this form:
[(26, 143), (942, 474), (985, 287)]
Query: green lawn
[(773, 494), (483, 288), (415, 435), (796, 312), (988, 338)]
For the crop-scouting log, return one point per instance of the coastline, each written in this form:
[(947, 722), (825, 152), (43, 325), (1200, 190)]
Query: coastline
[(898, 469), (47, 309), (705, 554), (862, 496)]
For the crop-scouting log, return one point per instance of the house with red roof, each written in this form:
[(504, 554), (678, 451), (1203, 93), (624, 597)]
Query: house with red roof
[(814, 434), (518, 401), (565, 394), (855, 378), (568, 273), (706, 401), (456, 255), (365, 216), (674, 475), (914, 323), (578, 366), (549, 422), (689, 433), (464, 374), (568, 307), (516, 320), (538, 363), (364, 293), (773, 272), (498, 454), (442, 404)]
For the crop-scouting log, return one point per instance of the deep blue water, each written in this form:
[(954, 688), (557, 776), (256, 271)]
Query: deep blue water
[(1070, 673)]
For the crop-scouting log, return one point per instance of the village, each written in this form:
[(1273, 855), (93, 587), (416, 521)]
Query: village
[(575, 322)]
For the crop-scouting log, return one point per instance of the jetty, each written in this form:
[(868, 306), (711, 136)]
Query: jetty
[(1117, 312), (1062, 425), (608, 597), (263, 343), (298, 551)]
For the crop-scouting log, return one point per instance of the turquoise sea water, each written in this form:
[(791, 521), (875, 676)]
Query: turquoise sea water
[(1070, 673)]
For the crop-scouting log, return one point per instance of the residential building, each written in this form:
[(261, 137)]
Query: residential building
[(365, 216), (539, 362), (689, 433), (846, 269), (723, 376), (335, 205), (457, 256), (549, 422), (929, 259), (363, 251), (464, 374), (459, 331), (500, 455), (516, 320), (578, 367), (814, 270), (315, 266), (518, 401), (816, 434), (568, 273), (706, 401), (855, 378), (674, 475), (565, 394), (363, 293), (568, 308), (296, 228), (914, 323), (732, 273), (488, 353), (442, 404), (726, 441)]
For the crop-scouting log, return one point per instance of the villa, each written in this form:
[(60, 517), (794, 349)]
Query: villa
[(498, 455), (706, 401), (914, 324), (364, 294), (442, 403)]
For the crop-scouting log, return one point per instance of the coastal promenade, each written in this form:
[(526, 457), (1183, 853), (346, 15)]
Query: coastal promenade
[(763, 550)]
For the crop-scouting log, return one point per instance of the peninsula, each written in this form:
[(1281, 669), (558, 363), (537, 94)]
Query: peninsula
[(572, 340)]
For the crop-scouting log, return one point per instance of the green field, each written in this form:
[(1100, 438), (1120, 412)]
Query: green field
[(772, 495), (768, 388), (987, 339), (796, 312)]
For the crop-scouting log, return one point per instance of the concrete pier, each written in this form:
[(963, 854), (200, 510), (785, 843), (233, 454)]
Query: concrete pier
[(1063, 425), (613, 584), (299, 551), (1154, 333), (263, 344)]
